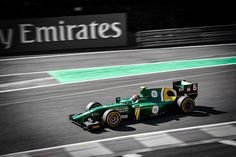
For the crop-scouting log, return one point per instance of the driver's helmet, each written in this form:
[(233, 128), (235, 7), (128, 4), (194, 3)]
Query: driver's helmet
[(134, 98)]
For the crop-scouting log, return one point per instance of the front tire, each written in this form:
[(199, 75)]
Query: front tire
[(112, 118), (186, 104), (92, 105)]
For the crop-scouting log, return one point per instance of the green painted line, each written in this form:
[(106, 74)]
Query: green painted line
[(99, 73)]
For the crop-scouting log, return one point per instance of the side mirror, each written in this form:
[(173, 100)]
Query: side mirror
[(118, 100)]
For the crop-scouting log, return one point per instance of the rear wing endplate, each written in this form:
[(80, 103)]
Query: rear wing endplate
[(184, 87)]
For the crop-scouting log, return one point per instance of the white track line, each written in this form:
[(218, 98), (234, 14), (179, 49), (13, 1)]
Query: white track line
[(27, 73), (26, 88), (105, 52), (25, 82), (228, 142), (112, 88), (127, 136), (132, 155)]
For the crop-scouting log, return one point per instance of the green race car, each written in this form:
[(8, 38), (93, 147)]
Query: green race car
[(151, 102)]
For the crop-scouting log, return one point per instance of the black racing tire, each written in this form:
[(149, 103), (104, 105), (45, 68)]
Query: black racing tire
[(92, 105), (186, 104), (112, 118)]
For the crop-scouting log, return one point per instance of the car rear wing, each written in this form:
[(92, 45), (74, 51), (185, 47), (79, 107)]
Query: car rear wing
[(185, 88)]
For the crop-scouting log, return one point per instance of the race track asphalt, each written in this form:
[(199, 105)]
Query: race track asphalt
[(38, 118)]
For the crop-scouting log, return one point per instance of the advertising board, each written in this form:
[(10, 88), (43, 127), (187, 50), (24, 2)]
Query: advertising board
[(69, 32)]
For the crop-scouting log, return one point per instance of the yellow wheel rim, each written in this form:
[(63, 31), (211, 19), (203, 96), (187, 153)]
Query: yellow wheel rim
[(113, 119), (188, 105)]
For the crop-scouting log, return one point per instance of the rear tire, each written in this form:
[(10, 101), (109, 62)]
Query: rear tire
[(186, 104), (92, 105), (112, 118)]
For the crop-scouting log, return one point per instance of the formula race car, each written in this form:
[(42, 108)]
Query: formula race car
[(150, 103)]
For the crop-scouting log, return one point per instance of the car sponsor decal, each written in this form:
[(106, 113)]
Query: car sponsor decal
[(188, 89), (124, 116), (155, 109), (96, 127), (95, 114), (122, 109), (154, 94), (194, 87), (137, 112)]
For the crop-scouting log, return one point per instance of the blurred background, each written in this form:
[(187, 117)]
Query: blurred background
[(142, 15)]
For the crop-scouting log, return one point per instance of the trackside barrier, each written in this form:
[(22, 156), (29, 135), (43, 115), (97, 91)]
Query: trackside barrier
[(186, 36)]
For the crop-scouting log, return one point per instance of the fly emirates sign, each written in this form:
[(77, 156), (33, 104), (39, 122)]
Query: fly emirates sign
[(63, 33)]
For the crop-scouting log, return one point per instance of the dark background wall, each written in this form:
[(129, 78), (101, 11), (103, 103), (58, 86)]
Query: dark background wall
[(142, 15)]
